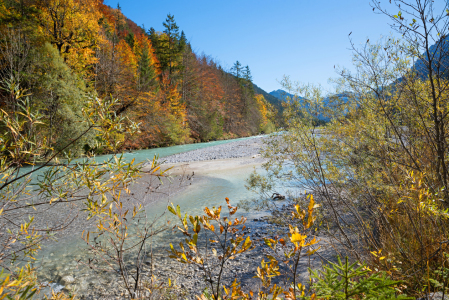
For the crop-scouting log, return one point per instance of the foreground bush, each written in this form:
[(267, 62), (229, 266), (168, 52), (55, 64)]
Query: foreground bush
[(379, 165), (226, 241)]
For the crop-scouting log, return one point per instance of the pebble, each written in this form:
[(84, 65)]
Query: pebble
[(68, 279), (189, 279), (249, 147), (436, 296)]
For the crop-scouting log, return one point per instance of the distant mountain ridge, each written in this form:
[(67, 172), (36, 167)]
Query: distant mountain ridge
[(440, 55), (275, 101), (281, 94)]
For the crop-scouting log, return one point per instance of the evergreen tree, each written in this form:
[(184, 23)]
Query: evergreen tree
[(169, 47), (171, 28), (172, 47), (247, 74), (130, 39), (151, 32), (236, 70), (182, 41), (153, 38), (147, 74)]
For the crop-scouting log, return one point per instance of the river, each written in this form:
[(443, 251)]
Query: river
[(68, 255)]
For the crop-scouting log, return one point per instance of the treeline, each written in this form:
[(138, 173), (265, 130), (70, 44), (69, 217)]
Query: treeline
[(62, 52)]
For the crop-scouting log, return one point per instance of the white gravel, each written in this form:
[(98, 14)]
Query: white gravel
[(241, 148)]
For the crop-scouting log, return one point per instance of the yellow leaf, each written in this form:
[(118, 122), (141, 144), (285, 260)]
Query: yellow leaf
[(298, 238), (310, 252)]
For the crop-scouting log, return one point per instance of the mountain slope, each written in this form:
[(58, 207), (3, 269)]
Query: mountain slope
[(275, 101), (439, 52), (281, 94)]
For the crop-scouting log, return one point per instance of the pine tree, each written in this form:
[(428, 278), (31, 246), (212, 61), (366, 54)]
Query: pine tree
[(147, 73), (182, 42), (236, 70), (172, 48), (130, 39), (171, 28), (152, 33), (247, 74)]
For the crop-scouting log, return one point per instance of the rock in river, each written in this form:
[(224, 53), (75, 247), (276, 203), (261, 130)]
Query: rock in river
[(68, 279)]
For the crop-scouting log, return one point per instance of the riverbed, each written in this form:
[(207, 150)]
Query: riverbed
[(201, 177)]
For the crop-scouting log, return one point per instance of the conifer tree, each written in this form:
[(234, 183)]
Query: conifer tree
[(182, 41), (172, 47), (152, 33), (236, 70), (247, 74), (147, 73), (130, 39)]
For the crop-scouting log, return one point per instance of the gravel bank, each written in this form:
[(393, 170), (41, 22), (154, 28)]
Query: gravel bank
[(190, 280), (88, 284), (243, 148)]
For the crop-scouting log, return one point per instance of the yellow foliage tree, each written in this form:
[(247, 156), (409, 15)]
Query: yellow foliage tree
[(267, 114), (72, 26)]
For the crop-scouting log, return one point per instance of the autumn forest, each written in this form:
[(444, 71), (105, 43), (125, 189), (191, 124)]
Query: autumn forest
[(58, 53)]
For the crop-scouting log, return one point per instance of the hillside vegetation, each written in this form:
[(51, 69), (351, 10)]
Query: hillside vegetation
[(61, 52)]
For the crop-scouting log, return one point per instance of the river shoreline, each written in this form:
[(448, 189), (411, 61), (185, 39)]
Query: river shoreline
[(229, 158), (243, 149), (190, 170), (187, 170), (147, 189)]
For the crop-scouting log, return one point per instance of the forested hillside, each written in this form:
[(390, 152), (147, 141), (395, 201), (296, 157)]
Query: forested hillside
[(62, 52)]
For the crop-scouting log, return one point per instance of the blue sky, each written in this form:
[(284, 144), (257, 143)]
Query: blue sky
[(300, 38)]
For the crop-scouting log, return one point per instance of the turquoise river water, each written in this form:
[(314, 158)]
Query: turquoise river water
[(62, 258)]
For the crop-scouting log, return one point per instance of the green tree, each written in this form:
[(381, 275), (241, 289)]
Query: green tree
[(247, 74), (182, 41), (236, 69), (130, 39), (169, 47), (147, 73), (170, 50)]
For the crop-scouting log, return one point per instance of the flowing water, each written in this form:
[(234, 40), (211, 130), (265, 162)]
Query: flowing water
[(146, 154), (60, 259)]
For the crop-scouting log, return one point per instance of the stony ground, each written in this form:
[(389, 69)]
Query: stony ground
[(189, 279), (242, 148), (61, 277)]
